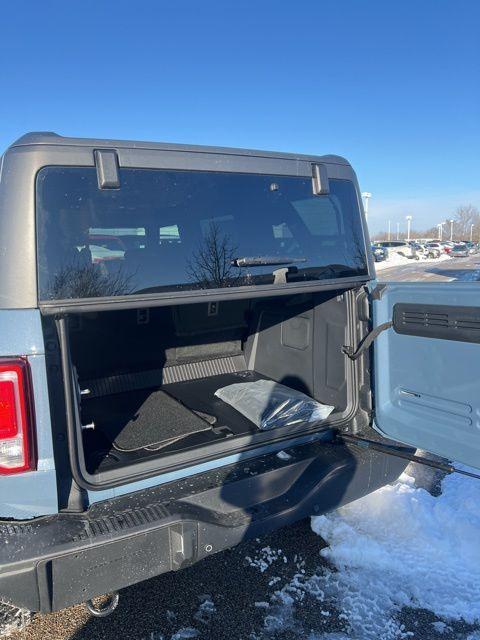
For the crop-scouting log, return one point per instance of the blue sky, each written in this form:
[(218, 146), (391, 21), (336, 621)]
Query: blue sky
[(393, 86)]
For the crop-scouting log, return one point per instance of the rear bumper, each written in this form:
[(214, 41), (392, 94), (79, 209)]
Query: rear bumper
[(58, 561)]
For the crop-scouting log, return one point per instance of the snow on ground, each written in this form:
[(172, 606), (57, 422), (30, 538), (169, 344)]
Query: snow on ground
[(12, 619), (266, 558), (396, 260), (396, 558), (402, 547)]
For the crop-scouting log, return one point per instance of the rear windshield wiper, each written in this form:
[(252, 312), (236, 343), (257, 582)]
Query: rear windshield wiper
[(259, 261)]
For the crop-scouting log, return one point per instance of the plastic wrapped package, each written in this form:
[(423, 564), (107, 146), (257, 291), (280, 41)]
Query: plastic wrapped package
[(269, 404)]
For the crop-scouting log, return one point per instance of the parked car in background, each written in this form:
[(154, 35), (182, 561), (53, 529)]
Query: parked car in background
[(447, 246), (380, 254), (418, 249), (402, 247), (434, 249), (460, 251), (472, 247), (427, 250)]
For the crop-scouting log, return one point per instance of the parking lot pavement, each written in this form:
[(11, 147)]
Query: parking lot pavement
[(465, 269)]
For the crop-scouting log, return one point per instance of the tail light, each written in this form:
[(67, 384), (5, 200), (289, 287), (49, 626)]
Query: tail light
[(17, 445)]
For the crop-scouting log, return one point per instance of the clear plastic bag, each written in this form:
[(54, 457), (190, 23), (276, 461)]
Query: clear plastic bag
[(269, 404)]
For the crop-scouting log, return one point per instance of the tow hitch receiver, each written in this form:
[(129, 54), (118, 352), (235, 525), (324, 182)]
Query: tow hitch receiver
[(105, 608)]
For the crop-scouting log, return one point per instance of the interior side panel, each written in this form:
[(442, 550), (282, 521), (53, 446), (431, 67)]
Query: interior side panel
[(330, 381), (427, 386), (282, 346), (104, 344)]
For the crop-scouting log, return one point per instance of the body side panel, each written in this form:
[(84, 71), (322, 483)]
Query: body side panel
[(34, 493)]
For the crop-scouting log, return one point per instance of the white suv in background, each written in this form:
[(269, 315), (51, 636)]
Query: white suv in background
[(398, 246)]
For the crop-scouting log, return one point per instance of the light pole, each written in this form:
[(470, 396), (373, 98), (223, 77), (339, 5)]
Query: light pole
[(409, 222), (440, 230), (366, 195), (451, 230), (389, 229), (471, 232), (398, 231)]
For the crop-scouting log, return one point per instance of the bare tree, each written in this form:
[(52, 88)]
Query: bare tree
[(212, 265), (467, 218), (383, 235), (87, 281), (431, 232), (466, 224)]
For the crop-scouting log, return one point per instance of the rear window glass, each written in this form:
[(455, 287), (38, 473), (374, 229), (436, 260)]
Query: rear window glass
[(173, 230)]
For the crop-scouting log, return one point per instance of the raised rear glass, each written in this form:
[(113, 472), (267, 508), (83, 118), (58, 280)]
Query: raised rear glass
[(187, 230)]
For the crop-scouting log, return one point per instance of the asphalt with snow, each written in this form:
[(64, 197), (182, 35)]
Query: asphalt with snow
[(451, 270), (264, 589)]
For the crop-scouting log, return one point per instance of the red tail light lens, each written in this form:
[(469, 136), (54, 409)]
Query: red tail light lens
[(17, 451)]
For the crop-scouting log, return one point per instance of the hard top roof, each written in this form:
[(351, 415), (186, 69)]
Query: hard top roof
[(53, 139)]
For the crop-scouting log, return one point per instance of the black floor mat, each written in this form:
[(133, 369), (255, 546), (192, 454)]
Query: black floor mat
[(200, 396), (144, 419)]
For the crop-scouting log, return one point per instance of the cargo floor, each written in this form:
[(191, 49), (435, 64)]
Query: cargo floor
[(148, 422)]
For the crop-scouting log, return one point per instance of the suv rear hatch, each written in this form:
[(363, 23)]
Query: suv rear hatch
[(144, 392), (168, 285)]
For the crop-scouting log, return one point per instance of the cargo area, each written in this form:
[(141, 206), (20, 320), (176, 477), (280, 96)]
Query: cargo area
[(146, 378)]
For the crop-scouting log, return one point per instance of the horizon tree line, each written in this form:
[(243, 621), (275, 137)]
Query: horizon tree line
[(466, 225)]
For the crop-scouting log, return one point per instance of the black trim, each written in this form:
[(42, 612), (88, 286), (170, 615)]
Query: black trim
[(320, 183), (57, 561), (367, 341), (142, 301), (407, 453), (378, 292), (106, 162), (446, 322)]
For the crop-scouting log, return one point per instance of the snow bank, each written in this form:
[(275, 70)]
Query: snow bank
[(400, 546), (12, 619), (396, 260)]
